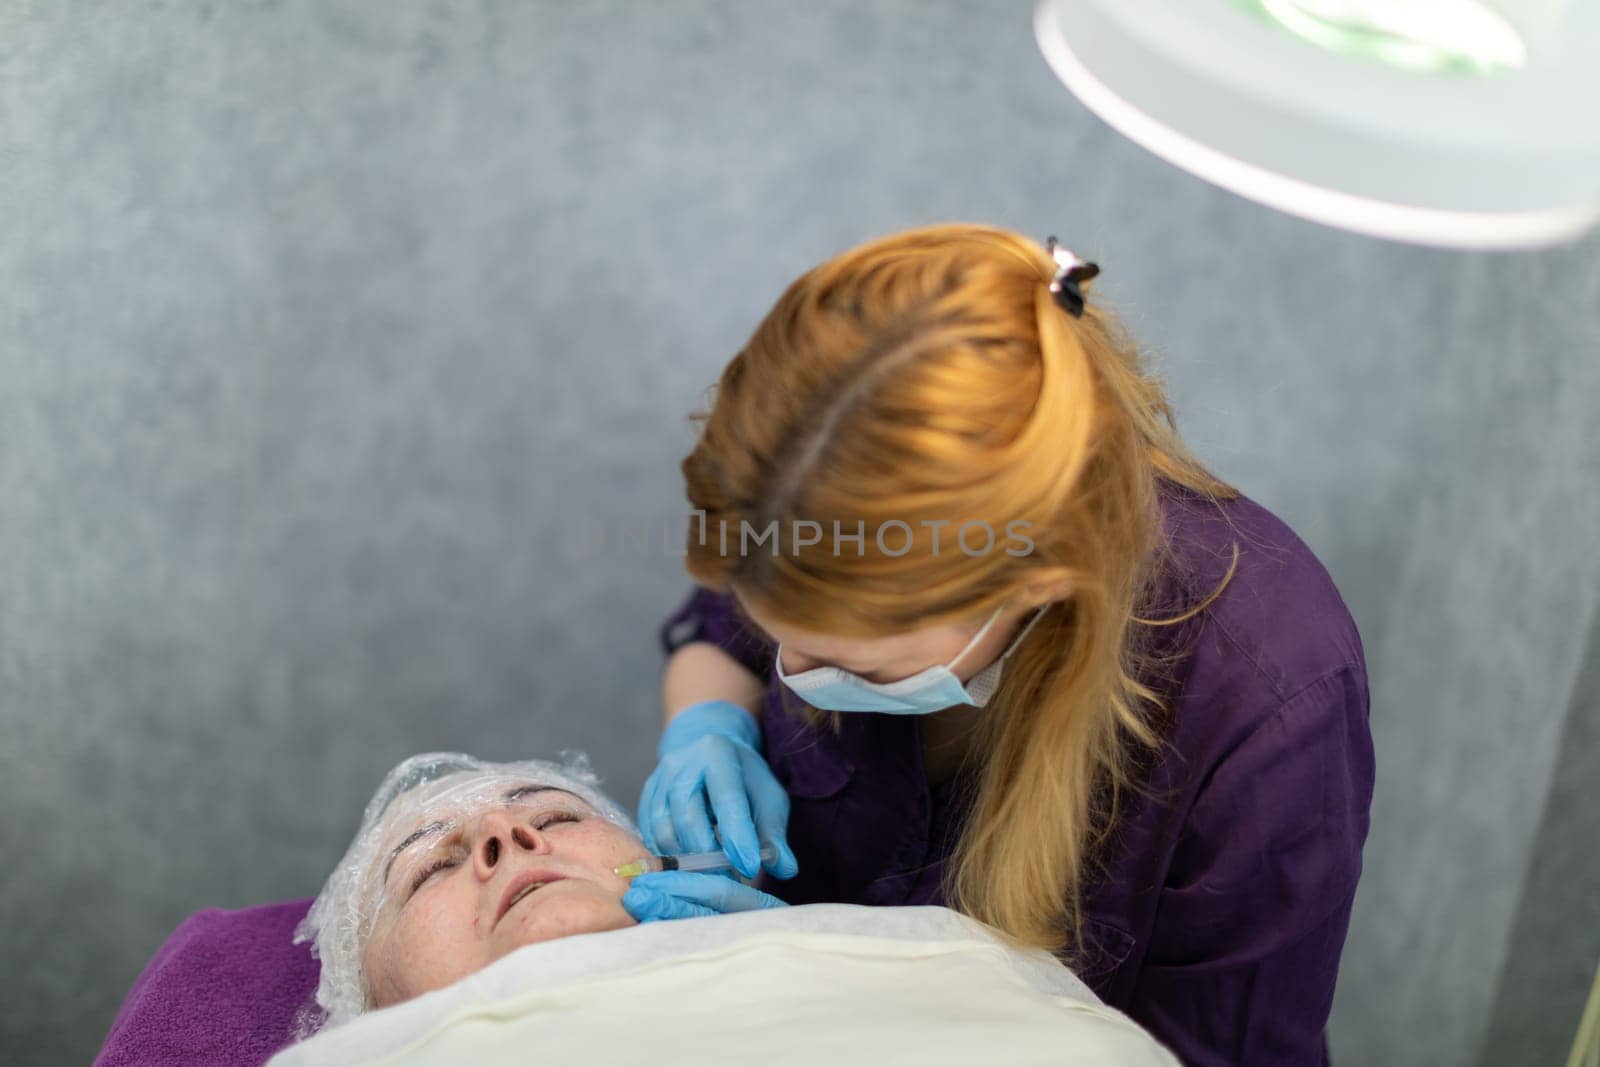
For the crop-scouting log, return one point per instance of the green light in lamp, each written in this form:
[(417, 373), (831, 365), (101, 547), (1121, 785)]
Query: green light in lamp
[(1433, 36)]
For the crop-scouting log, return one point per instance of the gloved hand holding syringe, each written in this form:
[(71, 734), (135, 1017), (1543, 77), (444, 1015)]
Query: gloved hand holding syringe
[(711, 788), (689, 886)]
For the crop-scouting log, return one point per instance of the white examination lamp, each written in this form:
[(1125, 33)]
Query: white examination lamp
[(1453, 123)]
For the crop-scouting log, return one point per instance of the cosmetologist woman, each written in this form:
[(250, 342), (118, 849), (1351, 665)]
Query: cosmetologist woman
[(974, 628)]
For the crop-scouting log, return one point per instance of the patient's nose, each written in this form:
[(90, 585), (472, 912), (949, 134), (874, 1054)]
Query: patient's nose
[(500, 833)]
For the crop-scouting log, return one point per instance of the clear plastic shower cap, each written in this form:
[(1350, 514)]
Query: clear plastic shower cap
[(434, 787)]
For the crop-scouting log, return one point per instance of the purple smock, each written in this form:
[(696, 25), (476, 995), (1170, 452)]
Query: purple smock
[(1224, 898)]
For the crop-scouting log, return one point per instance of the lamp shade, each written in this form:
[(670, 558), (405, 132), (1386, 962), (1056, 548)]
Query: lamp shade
[(1438, 122)]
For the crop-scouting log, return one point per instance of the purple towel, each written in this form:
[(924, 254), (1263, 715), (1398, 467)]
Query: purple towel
[(227, 988)]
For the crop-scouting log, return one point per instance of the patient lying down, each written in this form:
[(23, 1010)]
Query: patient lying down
[(479, 906), (459, 862)]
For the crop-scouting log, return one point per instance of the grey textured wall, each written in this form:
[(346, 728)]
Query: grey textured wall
[(327, 328), (1555, 942)]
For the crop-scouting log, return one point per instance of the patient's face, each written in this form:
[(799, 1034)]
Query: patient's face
[(464, 889)]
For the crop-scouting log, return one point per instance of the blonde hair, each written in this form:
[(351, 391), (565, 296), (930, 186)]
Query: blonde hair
[(931, 377)]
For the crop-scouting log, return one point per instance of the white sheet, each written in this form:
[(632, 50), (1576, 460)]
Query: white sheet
[(823, 984)]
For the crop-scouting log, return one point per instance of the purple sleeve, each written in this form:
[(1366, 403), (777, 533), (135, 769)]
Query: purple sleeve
[(226, 988), (1252, 919), (715, 618)]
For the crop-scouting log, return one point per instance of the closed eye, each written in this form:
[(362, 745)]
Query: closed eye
[(552, 817), (433, 868)]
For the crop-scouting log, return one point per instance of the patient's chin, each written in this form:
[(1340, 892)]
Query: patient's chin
[(421, 957), (561, 914)]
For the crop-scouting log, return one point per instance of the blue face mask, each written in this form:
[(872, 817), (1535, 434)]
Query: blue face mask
[(927, 691)]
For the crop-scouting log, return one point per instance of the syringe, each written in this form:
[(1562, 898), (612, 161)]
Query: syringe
[(691, 861)]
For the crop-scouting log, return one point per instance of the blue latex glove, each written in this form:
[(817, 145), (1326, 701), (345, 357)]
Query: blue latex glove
[(711, 767), (690, 895)]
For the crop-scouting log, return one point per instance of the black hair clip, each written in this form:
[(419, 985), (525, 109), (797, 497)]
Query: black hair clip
[(1070, 270)]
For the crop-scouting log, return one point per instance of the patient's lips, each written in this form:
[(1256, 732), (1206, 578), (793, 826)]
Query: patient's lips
[(525, 884)]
